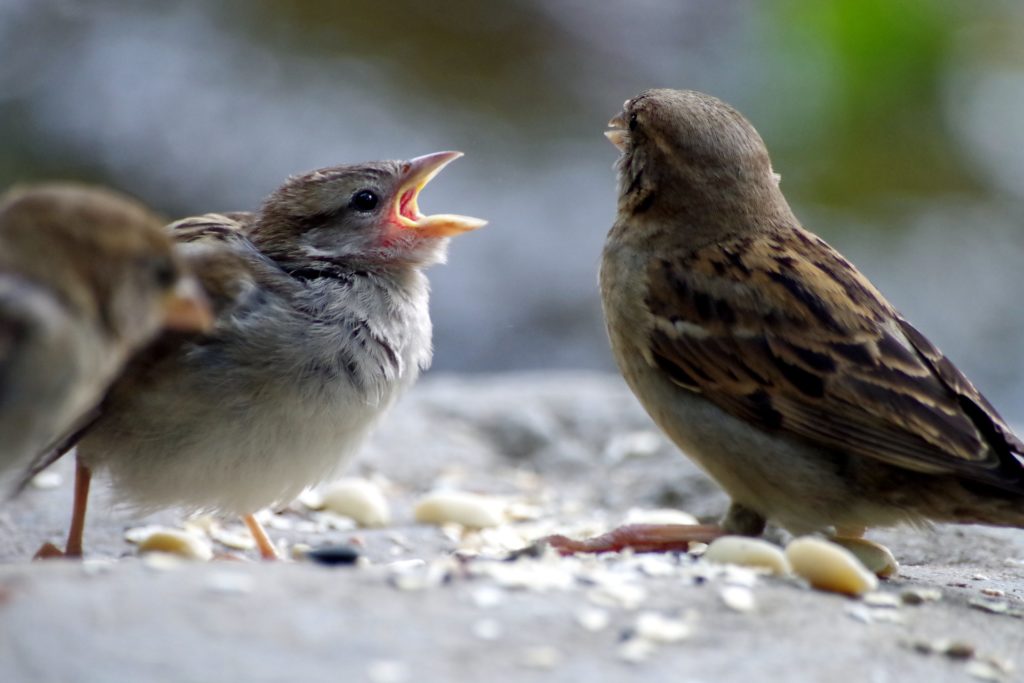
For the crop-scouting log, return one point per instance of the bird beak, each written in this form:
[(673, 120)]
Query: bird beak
[(418, 173), (186, 308), (618, 135)]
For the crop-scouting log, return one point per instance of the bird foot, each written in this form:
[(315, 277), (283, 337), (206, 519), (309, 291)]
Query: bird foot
[(641, 538), (49, 551)]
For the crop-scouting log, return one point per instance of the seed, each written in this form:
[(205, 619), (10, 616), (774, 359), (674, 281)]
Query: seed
[(359, 499), (747, 552), (829, 567), (333, 555), (875, 557), (179, 543), (659, 516), (459, 507)]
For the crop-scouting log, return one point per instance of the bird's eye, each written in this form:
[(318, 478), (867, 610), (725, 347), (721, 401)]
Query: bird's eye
[(632, 122), (364, 200), (164, 274)]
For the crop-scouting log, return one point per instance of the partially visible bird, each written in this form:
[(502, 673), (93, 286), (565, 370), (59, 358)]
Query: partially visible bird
[(322, 321), (87, 276), (771, 360)]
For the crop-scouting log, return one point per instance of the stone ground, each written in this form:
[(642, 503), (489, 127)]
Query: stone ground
[(563, 452)]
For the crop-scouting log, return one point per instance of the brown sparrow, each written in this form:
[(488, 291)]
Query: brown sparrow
[(771, 360), (87, 276), (322, 321)]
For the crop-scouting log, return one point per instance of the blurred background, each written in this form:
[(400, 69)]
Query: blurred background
[(898, 128)]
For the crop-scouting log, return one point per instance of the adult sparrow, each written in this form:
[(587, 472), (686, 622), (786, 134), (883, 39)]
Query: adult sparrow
[(87, 276), (321, 322), (769, 359)]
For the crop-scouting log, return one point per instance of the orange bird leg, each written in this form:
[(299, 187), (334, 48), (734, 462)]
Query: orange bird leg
[(82, 478), (642, 538), (263, 542)]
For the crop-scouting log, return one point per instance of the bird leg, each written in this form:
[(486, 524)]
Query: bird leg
[(642, 538), (263, 542), (83, 476), (73, 548)]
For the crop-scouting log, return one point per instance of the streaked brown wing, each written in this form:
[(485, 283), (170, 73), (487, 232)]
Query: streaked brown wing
[(785, 333)]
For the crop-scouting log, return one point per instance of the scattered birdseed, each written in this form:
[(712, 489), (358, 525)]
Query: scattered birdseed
[(829, 567), (880, 599), (161, 562), (312, 499), (954, 649), (987, 670), (624, 595), (992, 606), (868, 615), (658, 516), (417, 575), (593, 618), (541, 657), (176, 542), (658, 628), (138, 534), (94, 566), (460, 507), (738, 598), (748, 552), (359, 499), (526, 574), (333, 555), (875, 557), (281, 523), (632, 445), (859, 613), (47, 479), (487, 596), (487, 629), (917, 596), (636, 650), (230, 583), (387, 671), (237, 537)]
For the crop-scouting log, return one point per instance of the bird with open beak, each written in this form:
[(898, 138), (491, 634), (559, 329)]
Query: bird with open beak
[(322, 321)]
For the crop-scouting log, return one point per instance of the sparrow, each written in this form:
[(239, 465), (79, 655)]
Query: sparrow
[(769, 359), (87, 277), (321, 322)]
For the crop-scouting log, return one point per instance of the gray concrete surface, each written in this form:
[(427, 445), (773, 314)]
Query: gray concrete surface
[(577, 451)]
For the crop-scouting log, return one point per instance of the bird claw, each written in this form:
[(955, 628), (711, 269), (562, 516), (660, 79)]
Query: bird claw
[(48, 551), (641, 538)]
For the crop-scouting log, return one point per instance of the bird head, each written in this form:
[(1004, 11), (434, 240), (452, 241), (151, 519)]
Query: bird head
[(684, 151), (104, 255), (364, 215)]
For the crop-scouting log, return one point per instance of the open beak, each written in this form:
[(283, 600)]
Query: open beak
[(420, 171), (618, 135), (186, 308)]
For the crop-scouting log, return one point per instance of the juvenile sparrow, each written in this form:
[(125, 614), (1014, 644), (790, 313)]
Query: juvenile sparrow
[(321, 322), (769, 359), (87, 276)]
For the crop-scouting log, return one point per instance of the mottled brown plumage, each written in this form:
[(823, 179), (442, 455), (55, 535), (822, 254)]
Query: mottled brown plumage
[(769, 358), (87, 276)]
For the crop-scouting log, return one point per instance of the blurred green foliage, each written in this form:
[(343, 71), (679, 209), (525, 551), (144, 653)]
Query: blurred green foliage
[(885, 63)]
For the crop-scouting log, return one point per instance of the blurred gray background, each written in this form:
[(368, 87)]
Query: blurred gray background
[(898, 128)]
